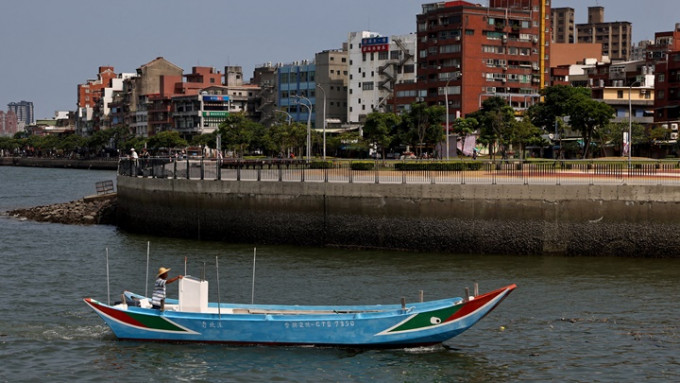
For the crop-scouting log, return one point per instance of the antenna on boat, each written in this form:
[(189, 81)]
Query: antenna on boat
[(252, 290), (146, 283), (108, 285), (219, 303), (185, 265), (203, 273)]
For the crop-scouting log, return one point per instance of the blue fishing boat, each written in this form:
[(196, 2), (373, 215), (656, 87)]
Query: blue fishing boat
[(191, 318)]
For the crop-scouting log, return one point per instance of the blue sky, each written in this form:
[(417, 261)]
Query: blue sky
[(51, 46)]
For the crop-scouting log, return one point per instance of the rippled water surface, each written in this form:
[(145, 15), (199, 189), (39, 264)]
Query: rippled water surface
[(570, 320)]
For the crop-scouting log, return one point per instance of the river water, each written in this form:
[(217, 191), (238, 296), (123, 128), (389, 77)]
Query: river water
[(571, 319)]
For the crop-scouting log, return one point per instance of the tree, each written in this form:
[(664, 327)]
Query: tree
[(524, 133), (557, 103), (379, 128), (167, 139), (422, 126), (496, 121), (586, 116), (238, 132), (206, 139)]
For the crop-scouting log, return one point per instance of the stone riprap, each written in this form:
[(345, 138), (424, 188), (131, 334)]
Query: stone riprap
[(80, 212)]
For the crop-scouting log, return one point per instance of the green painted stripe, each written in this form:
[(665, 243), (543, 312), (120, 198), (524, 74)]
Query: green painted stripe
[(155, 322), (423, 320)]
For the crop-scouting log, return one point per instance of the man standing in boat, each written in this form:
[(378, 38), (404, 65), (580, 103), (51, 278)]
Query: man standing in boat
[(158, 297)]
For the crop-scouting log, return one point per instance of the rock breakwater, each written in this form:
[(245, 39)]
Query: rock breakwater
[(87, 211)]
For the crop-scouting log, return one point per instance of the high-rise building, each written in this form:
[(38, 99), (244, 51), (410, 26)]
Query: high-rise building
[(563, 30), (332, 72), (297, 90), (467, 53), (23, 111), (616, 37), (377, 65)]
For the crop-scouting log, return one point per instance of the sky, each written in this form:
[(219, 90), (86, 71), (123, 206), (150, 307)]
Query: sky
[(49, 47)]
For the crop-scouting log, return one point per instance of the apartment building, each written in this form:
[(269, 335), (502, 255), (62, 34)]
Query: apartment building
[(377, 65), (664, 55), (563, 30), (332, 73), (467, 53), (615, 37), (296, 87), (23, 111), (8, 124), (199, 114)]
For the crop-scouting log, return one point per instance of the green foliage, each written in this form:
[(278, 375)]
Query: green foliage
[(588, 115), (238, 132), (496, 122), (208, 140), (465, 126), (168, 139), (438, 166), (557, 102), (422, 126), (380, 128), (363, 165), (321, 164)]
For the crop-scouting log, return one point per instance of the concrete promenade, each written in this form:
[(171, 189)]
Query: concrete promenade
[(641, 220)]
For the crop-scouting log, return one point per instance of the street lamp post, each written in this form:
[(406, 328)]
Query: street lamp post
[(307, 105), (289, 117), (446, 100), (324, 120), (630, 121)]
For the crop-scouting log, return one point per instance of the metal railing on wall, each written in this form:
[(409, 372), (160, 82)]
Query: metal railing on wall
[(409, 171)]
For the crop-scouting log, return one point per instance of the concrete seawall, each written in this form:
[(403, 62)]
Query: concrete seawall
[(641, 221)]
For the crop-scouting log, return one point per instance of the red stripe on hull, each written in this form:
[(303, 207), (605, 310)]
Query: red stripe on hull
[(115, 314), (478, 302)]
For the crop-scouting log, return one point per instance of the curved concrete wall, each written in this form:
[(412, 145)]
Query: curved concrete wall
[(508, 219)]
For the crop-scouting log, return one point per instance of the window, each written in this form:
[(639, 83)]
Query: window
[(619, 94), (367, 86), (449, 48), (383, 55)]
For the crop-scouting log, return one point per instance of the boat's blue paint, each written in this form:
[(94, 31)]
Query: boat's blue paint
[(367, 326)]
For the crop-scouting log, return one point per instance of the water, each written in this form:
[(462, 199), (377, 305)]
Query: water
[(570, 320)]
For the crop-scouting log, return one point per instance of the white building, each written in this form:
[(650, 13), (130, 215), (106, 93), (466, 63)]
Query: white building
[(376, 64)]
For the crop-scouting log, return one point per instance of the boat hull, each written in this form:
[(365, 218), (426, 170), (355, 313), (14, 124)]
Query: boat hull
[(417, 324)]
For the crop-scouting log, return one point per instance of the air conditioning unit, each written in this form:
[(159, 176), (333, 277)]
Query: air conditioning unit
[(492, 89), (457, 38), (674, 127), (674, 136), (664, 126)]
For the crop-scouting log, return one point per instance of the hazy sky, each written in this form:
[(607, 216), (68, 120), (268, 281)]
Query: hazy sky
[(49, 47)]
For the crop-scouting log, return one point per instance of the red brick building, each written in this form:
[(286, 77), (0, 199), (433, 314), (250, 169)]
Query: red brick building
[(90, 92), (469, 53), (664, 54)]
